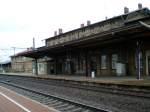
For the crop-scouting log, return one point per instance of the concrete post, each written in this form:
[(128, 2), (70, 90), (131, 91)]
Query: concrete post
[(36, 67)]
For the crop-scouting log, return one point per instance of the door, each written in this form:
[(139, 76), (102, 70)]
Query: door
[(93, 65), (50, 67)]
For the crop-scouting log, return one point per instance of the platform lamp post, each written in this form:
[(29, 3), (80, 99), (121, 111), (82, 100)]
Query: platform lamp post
[(36, 62), (138, 48)]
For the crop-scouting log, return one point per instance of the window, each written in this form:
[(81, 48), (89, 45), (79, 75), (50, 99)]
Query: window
[(114, 61), (103, 62)]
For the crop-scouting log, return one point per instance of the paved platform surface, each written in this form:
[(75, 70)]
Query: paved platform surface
[(123, 80), (13, 102)]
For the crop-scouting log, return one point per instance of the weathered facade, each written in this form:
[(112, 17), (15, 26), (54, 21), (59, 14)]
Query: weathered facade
[(42, 65), (21, 64), (116, 46)]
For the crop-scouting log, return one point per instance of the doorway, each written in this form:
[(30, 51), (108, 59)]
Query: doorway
[(93, 65), (50, 67), (148, 65), (148, 62)]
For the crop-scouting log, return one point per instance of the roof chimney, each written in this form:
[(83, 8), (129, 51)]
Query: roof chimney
[(82, 25), (55, 33), (88, 23), (140, 6), (60, 31), (126, 10), (106, 18)]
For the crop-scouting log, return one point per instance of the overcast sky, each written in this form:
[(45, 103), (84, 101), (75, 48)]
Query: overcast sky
[(21, 20)]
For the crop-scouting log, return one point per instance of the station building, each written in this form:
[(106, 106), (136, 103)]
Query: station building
[(21, 63), (113, 47)]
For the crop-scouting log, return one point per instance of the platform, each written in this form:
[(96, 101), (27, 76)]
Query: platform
[(13, 102), (123, 80)]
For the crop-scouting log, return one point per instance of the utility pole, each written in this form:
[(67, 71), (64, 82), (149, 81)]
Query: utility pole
[(14, 50)]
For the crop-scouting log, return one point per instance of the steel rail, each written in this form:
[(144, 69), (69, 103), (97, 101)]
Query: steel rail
[(57, 100)]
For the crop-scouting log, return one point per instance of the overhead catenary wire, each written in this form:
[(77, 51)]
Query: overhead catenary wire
[(6, 52), (14, 48)]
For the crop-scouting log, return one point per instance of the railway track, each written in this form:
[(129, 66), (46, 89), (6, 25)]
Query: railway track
[(115, 98), (61, 104), (113, 89)]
